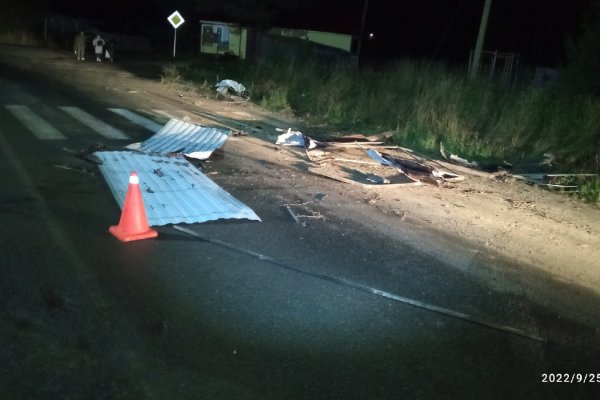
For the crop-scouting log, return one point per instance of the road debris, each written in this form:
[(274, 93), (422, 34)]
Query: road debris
[(377, 179), (301, 213), (319, 196), (413, 166), (362, 160), (227, 85), (289, 209), (176, 136), (458, 160), (291, 138), (355, 137), (556, 181), (78, 169), (548, 159), (295, 138), (358, 159), (489, 166), (88, 154), (175, 191)]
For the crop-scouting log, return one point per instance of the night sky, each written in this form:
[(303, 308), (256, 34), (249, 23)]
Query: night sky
[(440, 29)]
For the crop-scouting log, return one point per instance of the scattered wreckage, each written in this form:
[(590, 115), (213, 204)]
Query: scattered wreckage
[(174, 190), (366, 161), (567, 182)]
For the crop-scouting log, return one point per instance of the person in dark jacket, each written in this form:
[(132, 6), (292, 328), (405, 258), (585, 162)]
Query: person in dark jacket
[(79, 46)]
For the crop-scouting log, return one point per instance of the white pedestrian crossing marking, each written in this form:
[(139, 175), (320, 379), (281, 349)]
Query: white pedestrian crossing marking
[(94, 123), (137, 119), (33, 122), (164, 114), (44, 130)]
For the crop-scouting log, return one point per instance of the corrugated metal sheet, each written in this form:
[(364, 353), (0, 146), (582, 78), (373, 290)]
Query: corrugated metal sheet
[(182, 137), (174, 191)]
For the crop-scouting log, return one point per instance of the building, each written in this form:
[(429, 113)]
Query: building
[(223, 38)]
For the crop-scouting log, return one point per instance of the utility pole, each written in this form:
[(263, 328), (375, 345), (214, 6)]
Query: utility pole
[(480, 38)]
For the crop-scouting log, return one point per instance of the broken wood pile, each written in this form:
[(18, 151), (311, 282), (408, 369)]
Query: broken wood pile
[(365, 161)]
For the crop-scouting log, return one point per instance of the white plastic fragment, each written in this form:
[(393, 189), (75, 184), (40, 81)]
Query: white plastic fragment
[(291, 138), (227, 84)]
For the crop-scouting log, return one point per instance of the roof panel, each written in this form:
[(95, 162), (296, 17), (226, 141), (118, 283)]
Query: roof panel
[(177, 136), (174, 190)]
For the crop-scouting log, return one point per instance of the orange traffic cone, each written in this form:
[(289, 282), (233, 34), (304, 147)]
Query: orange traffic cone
[(133, 224)]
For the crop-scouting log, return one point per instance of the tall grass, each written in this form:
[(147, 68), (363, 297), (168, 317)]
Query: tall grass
[(590, 190), (171, 74), (426, 103)]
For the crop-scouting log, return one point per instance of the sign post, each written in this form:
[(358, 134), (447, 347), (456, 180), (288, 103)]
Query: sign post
[(176, 20)]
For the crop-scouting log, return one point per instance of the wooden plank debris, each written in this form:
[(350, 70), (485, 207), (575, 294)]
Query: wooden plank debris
[(365, 161), (548, 180)]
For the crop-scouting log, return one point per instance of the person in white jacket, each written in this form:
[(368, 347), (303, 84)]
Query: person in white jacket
[(98, 43)]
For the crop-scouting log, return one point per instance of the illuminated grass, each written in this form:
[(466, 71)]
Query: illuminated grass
[(171, 74), (426, 103), (590, 190)]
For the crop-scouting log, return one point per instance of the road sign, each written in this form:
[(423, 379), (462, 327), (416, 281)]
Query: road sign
[(176, 19)]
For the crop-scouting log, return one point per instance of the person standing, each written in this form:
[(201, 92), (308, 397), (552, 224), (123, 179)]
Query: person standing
[(98, 43), (80, 40)]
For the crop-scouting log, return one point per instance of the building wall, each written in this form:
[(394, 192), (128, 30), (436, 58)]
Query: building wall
[(335, 40), (222, 38), (238, 41), (271, 48), (342, 42), (244, 44)]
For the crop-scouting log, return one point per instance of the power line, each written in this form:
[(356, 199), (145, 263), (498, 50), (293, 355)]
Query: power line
[(456, 12)]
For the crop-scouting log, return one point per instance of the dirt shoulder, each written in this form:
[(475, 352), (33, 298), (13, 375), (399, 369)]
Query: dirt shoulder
[(535, 227)]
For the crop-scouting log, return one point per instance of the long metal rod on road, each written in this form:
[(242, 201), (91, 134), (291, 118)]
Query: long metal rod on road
[(364, 288)]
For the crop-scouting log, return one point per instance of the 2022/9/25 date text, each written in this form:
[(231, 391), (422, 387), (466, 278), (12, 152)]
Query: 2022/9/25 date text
[(575, 377)]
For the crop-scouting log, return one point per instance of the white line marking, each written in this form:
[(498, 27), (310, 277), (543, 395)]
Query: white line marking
[(137, 119), (33, 122), (94, 123), (164, 114)]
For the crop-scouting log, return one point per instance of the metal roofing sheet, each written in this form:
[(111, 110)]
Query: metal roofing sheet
[(178, 136), (174, 191)]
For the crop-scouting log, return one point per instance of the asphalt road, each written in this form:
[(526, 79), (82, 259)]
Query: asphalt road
[(265, 310)]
